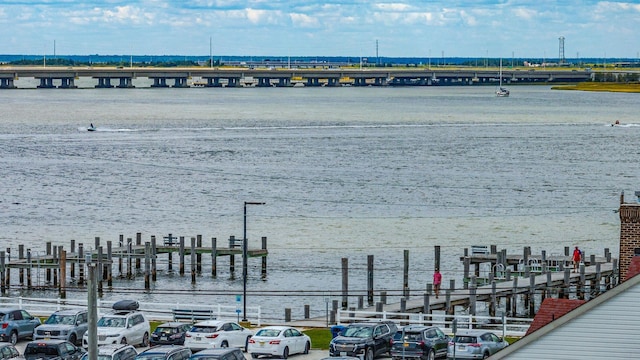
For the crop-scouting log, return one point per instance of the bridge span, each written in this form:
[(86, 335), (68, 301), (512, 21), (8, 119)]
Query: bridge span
[(111, 77)]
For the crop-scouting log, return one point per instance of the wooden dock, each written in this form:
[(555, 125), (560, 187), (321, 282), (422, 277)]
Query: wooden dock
[(129, 256), (510, 280)]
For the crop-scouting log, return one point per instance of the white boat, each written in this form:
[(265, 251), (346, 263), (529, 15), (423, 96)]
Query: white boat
[(91, 128), (501, 92)]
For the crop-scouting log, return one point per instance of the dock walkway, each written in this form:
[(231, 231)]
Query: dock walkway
[(590, 281)]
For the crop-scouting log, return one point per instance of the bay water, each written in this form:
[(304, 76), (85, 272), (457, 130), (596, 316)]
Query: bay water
[(344, 173)]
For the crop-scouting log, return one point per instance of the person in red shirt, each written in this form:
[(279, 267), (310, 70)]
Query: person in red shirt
[(577, 257), (437, 280)]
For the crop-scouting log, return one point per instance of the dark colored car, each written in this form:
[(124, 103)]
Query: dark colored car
[(218, 354), (165, 352), (16, 324), (419, 342), (64, 325), (52, 349), (115, 352), (8, 351), (368, 339), (171, 333)]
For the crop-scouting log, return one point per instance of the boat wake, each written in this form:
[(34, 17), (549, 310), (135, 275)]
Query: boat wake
[(103, 129)]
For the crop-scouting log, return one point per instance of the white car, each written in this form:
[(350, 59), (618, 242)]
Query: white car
[(280, 341), (210, 334), (121, 327)]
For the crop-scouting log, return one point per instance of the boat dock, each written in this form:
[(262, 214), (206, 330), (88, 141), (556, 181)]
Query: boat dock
[(129, 256), (515, 283)]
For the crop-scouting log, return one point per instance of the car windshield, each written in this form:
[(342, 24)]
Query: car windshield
[(100, 357), (111, 322), (151, 357), (268, 333), (60, 319), (165, 330), (41, 350), (465, 339), (358, 331), (204, 329)]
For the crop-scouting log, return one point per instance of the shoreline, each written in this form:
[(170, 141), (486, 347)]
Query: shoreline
[(602, 87)]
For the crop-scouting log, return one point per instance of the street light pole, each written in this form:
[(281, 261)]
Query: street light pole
[(244, 259)]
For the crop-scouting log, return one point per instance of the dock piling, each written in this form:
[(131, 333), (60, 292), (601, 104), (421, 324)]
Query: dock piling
[(345, 283), (370, 280)]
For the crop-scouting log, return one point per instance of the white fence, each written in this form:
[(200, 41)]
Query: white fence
[(501, 325), (154, 311)]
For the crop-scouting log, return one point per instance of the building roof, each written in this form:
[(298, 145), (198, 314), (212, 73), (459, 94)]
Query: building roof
[(550, 310), (586, 327), (634, 268)]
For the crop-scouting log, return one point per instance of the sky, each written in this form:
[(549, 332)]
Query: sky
[(360, 28)]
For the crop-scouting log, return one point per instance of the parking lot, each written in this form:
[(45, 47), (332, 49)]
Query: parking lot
[(313, 354)]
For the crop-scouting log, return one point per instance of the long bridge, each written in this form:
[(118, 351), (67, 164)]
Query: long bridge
[(121, 77)]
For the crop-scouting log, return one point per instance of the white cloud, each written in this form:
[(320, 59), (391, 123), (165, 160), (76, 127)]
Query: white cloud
[(393, 7), (524, 13), (256, 16), (124, 14), (303, 20)]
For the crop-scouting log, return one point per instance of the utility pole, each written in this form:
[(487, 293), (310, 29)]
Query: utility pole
[(92, 304)]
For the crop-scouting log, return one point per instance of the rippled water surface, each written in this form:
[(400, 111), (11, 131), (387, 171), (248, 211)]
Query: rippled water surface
[(344, 172)]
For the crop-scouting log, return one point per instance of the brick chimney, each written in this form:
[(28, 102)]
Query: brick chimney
[(629, 234)]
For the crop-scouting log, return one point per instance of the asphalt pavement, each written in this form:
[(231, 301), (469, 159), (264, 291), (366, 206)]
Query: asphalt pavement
[(313, 354)]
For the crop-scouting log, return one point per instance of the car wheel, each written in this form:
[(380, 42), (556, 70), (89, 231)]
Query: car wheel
[(13, 337), (145, 340), (307, 347), (123, 340), (431, 355), (369, 354), (224, 344), (485, 355), (285, 352), (255, 356), (73, 339)]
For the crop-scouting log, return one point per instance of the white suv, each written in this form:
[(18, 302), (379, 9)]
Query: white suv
[(122, 327), (210, 334)]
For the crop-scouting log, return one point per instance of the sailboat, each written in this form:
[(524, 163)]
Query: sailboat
[(501, 92)]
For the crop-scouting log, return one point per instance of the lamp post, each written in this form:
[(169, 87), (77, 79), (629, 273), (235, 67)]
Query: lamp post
[(244, 260)]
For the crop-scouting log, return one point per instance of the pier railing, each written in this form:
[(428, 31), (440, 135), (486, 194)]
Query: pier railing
[(501, 325), (154, 311)]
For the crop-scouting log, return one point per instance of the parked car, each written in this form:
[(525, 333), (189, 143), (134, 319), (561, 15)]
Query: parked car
[(419, 342), (124, 326), (8, 351), (171, 333), (474, 344), (52, 349), (218, 354), (368, 339), (279, 341), (216, 333), (16, 324), (64, 325), (165, 352), (115, 352)]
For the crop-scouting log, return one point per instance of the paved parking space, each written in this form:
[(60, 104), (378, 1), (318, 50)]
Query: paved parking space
[(313, 354)]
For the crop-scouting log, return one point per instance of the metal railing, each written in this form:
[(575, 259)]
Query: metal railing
[(501, 325), (154, 311)]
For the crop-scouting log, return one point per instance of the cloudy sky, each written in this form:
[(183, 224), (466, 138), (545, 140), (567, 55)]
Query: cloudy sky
[(401, 28)]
